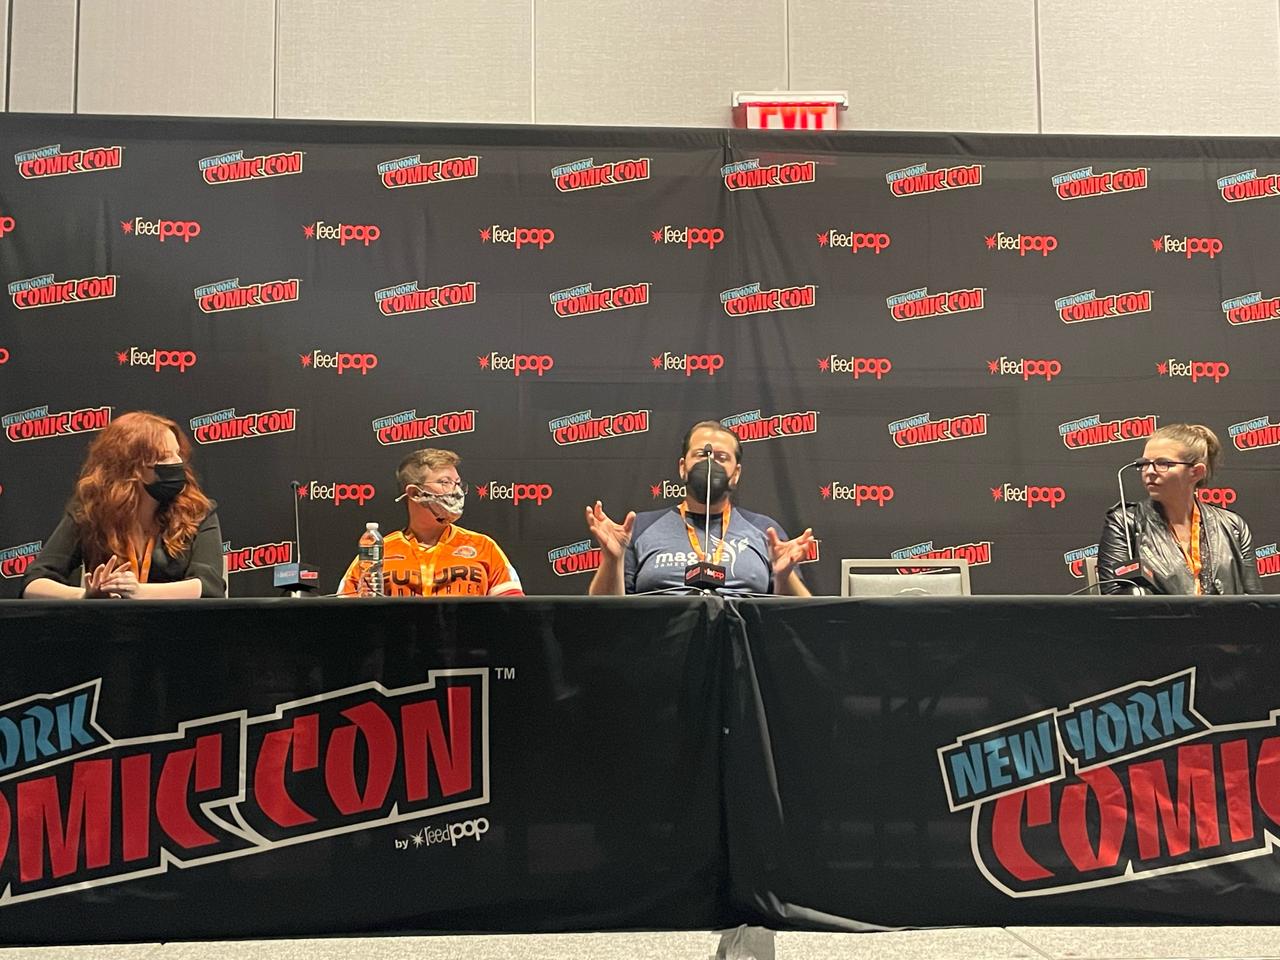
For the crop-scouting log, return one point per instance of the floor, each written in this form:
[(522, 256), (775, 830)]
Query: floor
[(994, 943)]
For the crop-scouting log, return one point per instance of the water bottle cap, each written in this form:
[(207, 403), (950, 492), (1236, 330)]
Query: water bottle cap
[(371, 526)]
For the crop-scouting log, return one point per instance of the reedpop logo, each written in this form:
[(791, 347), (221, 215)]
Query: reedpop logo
[(157, 359), (515, 492), (1197, 370), (691, 237), (1022, 243), (341, 362), (184, 230), (1030, 495), (690, 363), (336, 493), (517, 363), (344, 233), (854, 240), (1187, 246)]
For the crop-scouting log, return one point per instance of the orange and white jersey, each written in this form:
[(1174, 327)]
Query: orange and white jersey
[(462, 563)]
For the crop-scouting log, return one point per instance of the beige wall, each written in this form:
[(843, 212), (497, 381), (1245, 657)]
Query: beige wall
[(1077, 66)]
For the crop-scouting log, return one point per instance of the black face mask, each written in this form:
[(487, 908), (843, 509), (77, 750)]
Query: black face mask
[(696, 478), (169, 482)]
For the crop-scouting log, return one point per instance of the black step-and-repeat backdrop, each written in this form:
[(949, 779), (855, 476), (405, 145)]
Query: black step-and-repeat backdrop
[(931, 345)]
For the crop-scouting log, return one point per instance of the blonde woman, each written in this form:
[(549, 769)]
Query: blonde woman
[(1187, 547)]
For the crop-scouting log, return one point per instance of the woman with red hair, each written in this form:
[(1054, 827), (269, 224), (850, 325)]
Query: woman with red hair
[(138, 525)]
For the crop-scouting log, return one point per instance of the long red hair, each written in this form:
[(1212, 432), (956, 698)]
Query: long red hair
[(110, 488)]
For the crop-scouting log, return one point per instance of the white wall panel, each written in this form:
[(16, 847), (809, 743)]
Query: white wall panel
[(42, 61), (211, 58), (659, 62), (4, 45), (926, 65), (1185, 67), (439, 60)]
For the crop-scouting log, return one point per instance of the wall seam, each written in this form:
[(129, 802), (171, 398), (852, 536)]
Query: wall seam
[(8, 51), (786, 32), (275, 65), (75, 65), (533, 61), (1035, 7)]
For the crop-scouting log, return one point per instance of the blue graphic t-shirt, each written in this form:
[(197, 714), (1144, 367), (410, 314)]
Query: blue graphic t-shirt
[(660, 550)]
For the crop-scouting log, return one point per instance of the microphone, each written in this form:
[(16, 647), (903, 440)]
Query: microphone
[(296, 577), (705, 575), (1143, 582)]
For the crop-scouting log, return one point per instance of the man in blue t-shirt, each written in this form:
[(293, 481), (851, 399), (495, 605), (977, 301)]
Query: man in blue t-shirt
[(650, 551)]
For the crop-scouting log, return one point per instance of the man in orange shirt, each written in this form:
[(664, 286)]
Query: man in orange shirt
[(432, 556)]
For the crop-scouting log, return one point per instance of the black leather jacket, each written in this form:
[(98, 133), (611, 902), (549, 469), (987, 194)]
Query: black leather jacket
[(1227, 553)]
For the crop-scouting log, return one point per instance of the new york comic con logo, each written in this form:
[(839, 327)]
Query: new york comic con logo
[(39, 424), (1247, 185), (918, 303), (580, 557), (413, 171), (749, 298), (410, 298), (1254, 434), (223, 425), (230, 295), (1087, 305), (752, 175), (408, 427), (1081, 183), (80, 808), (918, 178), (1124, 786), (577, 300), (260, 557), (584, 427), (45, 291), (1093, 431), (1250, 308), (751, 426), (15, 560), (50, 161), (586, 174), (1267, 557), (922, 429), (1075, 559), (977, 554), (234, 167)]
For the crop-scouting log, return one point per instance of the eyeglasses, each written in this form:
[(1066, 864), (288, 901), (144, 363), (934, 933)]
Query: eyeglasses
[(720, 456), (446, 483), (1162, 465)]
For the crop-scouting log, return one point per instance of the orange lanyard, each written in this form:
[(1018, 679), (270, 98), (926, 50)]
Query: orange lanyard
[(1191, 555), (427, 573), (693, 539), (142, 564)]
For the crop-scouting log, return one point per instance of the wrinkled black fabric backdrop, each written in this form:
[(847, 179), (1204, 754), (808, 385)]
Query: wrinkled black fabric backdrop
[(81, 355)]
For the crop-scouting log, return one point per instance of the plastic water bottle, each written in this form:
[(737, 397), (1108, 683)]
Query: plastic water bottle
[(369, 565)]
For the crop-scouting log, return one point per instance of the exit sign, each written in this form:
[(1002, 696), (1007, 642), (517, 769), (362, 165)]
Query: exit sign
[(788, 110)]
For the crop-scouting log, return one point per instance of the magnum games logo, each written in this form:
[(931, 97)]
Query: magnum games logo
[(80, 808)]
